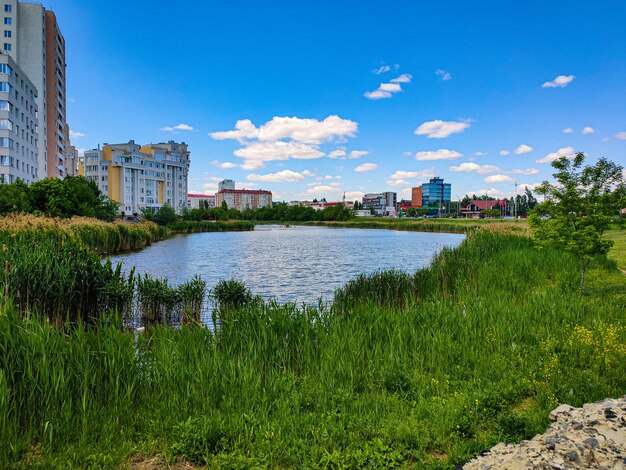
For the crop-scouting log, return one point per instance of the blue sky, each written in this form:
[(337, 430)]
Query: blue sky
[(308, 81)]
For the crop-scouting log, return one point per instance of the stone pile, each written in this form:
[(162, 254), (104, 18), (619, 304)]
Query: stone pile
[(591, 437)]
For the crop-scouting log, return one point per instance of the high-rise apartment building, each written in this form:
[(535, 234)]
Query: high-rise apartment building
[(18, 124), (140, 176), (225, 184), (31, 35)]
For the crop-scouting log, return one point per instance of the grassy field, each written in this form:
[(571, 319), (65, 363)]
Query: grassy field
[(420, 371), (618, 251)]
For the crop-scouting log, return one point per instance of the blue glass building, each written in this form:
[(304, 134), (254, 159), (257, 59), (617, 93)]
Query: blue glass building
[(436, 193)]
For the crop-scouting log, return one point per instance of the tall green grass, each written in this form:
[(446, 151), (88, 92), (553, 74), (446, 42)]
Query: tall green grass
[(191, 226), (423, 371)]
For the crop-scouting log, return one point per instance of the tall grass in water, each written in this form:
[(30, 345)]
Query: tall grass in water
[(191, 226), (60, 278), (160, 303), (102, 237), (494, 335)]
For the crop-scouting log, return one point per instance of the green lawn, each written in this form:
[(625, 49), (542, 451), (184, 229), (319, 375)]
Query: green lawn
[(618, 251)]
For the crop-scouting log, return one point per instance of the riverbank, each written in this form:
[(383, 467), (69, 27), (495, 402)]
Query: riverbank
[(424, 225), (423, 370)]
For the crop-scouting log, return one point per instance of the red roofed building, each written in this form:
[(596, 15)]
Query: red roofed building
[(474, 207), (205, 201), (242, 199)]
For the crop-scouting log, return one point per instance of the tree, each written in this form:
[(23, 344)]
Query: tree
[(579, 207), (224, 205), (14, 197), (166, 215)]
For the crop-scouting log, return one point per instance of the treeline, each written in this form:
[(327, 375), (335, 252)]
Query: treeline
[(53, 197), (278, 213)]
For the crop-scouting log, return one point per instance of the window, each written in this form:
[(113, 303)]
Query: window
[(6, 69), (8, 8), (7, 46), (6, 124), (5, 87), (5, 142), (8, 20), (5, 106), (7, 34)]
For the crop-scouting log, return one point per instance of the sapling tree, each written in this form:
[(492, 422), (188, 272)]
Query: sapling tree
[(579, 207)]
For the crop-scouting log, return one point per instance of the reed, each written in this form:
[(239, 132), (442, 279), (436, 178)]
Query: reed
[(210, 226)]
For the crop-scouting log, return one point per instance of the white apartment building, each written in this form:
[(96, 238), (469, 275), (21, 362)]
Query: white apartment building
[(18, 124), (140, 176)]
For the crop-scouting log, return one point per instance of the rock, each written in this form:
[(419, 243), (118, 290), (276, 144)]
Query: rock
[(560, 409), (591, 437)]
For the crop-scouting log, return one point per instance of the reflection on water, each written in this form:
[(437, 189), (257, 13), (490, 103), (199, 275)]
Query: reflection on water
[(297, 264)]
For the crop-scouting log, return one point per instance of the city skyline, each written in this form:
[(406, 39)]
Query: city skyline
[(290, 100)]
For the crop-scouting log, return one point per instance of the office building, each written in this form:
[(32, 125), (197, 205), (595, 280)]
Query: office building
[(18, 123), (436, 193), (383, 204), (242, 199), (416, 197), (32, 37), (140, 177)]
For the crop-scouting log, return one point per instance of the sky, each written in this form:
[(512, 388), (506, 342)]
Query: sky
[(317, 99)]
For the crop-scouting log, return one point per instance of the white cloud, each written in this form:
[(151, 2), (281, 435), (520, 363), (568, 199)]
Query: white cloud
[(308, 131), (257, 153), (390, 87), (308, 173), (441, 154), (559, 82), (366, 167), (620, 135), (178, 127), (358, 154), (493, 192), (404, 78), (398, 183), (76, 134), (384, 90), (588, 130), (470, 167), (323, 189), (329, 177), (284, 176), (354, 195), (568, 130), (528, 171), (81, 151), (498, 179), (504, 152), (523, 149), (439, 129), (443, 74), (377, 95), (337, 154), (480, 154), (225, 165), (398, 175), (562, 152), (381, 69)]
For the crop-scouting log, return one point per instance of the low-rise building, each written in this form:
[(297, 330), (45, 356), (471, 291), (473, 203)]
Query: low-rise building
[(473, 208), (242, 199), (19, 135), (201, 201), (140, 177), (383, 204)]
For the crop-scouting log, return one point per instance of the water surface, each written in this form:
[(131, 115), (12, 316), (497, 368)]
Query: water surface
[(297, 264)]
